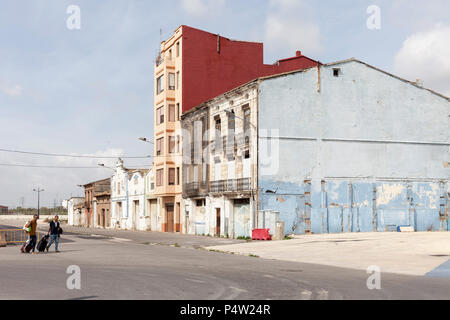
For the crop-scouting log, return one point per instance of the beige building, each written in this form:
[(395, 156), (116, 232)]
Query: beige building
[(167, 133)]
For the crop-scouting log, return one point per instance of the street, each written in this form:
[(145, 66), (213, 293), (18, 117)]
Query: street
[(138, 265)]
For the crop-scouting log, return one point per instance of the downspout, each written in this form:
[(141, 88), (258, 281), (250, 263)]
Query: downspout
[(256, 207), (318, 76)]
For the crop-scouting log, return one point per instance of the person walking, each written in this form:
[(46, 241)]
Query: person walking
[(54, 231), (32, 226)]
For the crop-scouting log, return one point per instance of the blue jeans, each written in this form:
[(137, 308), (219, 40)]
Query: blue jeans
[(54, 238), (33, 240)]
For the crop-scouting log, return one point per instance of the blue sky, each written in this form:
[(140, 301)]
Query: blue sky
[(89, 91)]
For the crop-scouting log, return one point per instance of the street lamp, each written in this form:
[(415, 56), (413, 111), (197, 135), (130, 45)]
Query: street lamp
[(103, 166), (145, 140), (38, 190)]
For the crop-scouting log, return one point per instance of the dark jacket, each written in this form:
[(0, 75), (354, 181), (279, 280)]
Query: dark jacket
[(54, 228)]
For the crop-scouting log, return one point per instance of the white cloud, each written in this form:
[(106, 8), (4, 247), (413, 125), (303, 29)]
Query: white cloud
[(201, 7), (425, 55), (288, 27)]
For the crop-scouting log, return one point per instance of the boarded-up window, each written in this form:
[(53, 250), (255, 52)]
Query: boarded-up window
[(171, 176), (171, 112)]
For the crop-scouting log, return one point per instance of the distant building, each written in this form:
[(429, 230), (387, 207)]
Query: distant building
[(128, 199), (3, 210), (101, 189), (152, 211), (74, 211)]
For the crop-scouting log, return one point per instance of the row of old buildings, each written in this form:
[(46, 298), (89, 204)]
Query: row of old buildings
[(239, 145)]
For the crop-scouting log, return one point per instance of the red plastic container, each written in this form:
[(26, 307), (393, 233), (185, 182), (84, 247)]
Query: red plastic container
[(261, 234)]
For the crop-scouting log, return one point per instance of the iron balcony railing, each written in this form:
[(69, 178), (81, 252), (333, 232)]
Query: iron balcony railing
[(191, 188), (230, 185)]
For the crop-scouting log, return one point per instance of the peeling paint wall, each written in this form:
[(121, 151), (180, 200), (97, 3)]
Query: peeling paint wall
[(362, 151)]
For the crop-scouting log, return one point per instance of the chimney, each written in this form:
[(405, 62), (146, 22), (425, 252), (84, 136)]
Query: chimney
[(298, 53)]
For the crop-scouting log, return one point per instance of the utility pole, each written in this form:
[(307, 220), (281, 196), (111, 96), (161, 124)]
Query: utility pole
[(38, 190)]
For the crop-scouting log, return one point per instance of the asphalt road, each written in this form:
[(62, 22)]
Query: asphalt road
[(120, 268)]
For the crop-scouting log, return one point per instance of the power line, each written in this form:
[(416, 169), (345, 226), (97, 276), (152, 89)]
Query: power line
[(74, 156), (61, 167), (38, 166)]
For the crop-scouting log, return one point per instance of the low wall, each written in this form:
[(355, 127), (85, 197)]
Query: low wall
[(25, 218)]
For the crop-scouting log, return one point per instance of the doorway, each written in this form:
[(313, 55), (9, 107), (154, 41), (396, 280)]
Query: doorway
[(218, 222), (170, 217)]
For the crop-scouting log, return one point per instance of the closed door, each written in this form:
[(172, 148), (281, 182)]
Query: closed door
[(218, 222), (103, 218), (170, 218)]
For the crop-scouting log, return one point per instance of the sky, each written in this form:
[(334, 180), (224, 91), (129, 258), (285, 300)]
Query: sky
[(89, 91)]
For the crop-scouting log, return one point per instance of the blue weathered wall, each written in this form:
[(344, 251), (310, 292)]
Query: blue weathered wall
[(365, 152)]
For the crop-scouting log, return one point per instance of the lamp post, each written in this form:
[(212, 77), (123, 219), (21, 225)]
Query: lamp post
[(145, 140), (38, 190)]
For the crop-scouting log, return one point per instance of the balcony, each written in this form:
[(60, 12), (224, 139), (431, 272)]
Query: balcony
[(191, 188), (231, 185)]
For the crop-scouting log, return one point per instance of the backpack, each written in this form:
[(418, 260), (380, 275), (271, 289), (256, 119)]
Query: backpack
[(28, 230)]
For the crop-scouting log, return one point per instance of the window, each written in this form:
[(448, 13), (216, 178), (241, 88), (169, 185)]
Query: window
[(159, 146), (178, 112), (231, 141), (200, 202), (178, 176), (159, 177), (336, 72), (160, 115), (178, 49), (160, 84), (247, 132), (171, 113), (170, 54), (171, 176), (171, 144), (178, 144), (118, 188), (218, 133), (178, 80), (171, 81)]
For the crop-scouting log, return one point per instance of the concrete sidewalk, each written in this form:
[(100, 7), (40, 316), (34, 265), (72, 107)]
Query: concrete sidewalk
[(415, 253)]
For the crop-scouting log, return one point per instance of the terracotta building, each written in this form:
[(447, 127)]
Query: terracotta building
[(194, 66), (96, 199)]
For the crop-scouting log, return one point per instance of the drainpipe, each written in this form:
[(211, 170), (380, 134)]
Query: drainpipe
[(318, 76)]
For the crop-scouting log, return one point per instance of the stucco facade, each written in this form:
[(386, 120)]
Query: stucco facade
[(74, 212), (194, 66), (358, 150), (219, 165)]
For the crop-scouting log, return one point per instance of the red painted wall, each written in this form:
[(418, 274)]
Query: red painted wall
[(208, 73)]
